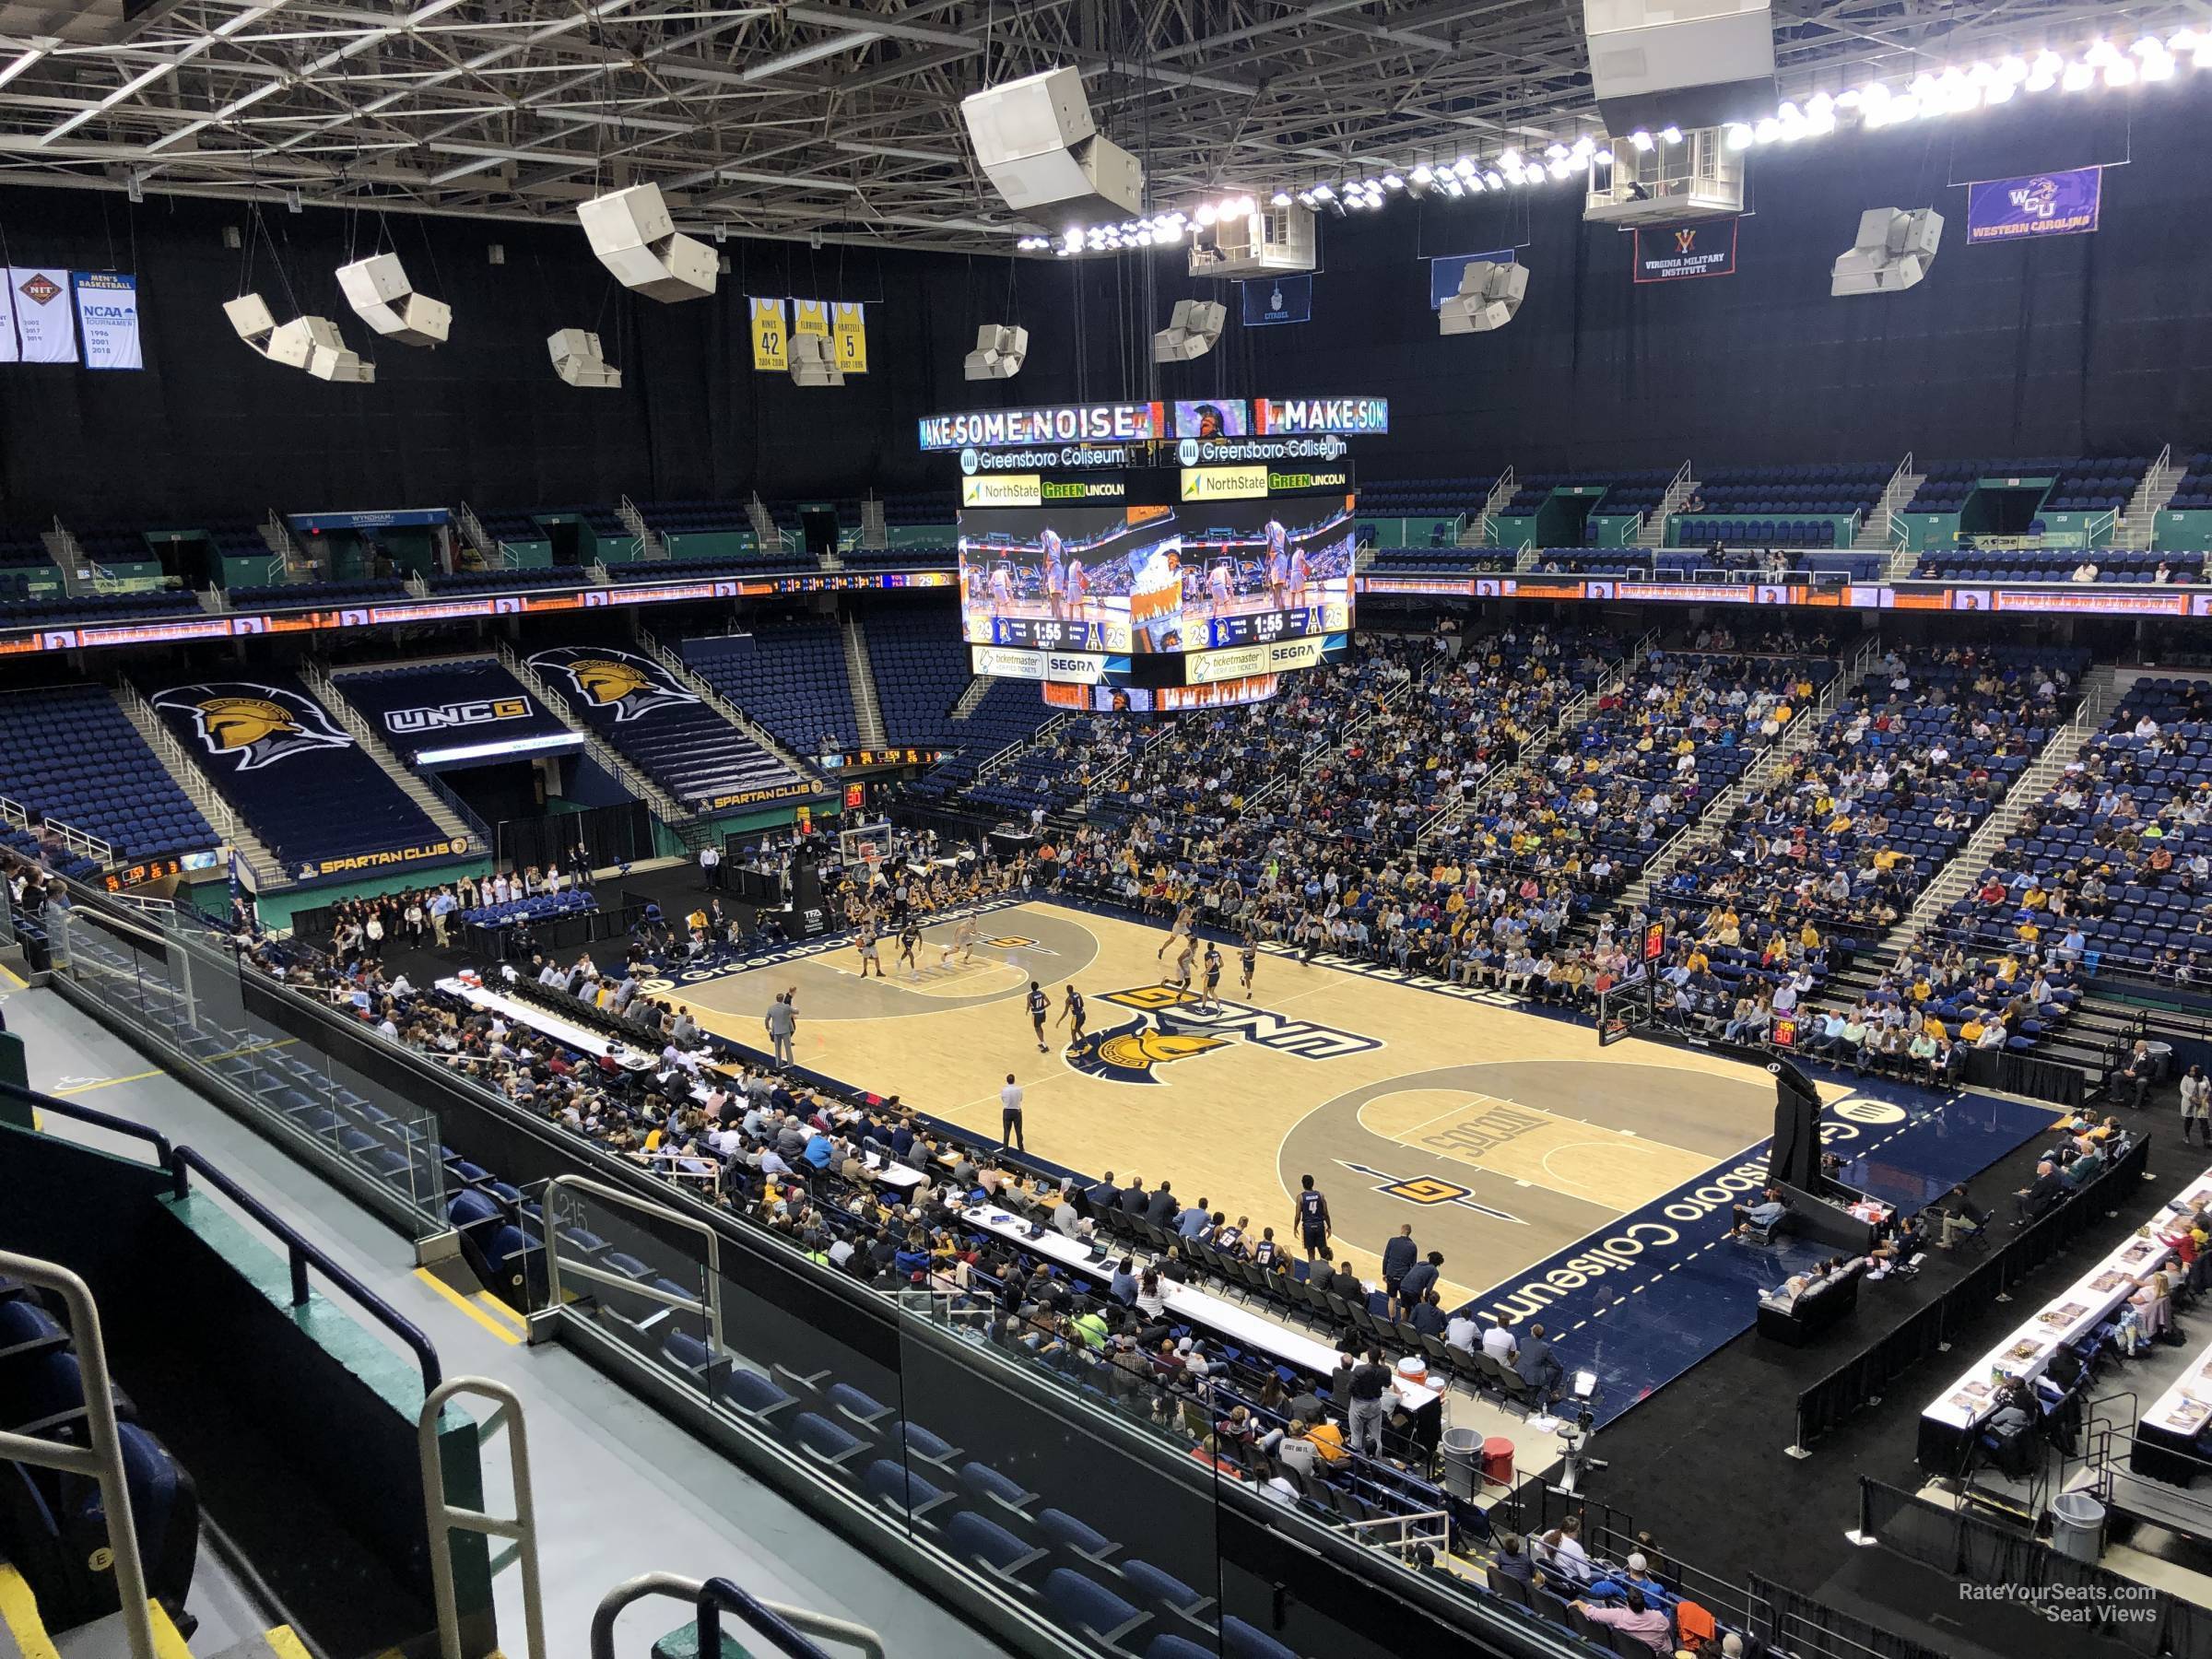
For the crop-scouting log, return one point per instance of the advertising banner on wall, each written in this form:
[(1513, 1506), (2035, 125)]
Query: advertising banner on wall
[(1671, 253), (2053, 204)]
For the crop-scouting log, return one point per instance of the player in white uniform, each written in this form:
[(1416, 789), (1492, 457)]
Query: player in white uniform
[(1055, 575), (1217, 587), (1278, 563), (1298, 572), (1079, 585), (1002, 588)]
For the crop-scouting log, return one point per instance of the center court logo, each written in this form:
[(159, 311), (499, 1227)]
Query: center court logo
[(1172, 1024)]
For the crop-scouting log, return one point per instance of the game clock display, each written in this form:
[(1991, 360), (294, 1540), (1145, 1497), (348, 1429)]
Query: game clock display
[(141, 873)]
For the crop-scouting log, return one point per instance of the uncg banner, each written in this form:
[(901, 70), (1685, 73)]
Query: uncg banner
[(107, 316), (771, 345), (1670, 252), (45, 318), (1445, 273), (1270, 299), (849, 324), (2055, 203)]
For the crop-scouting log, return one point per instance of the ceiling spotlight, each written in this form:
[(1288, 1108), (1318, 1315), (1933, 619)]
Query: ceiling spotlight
[(1307, 199), (1739, 136), (1556, 152), (1671, 134), (1454, 188), (1422, 175), (1603, 158), (2078, 77), (1325, 193), (1465, 167), (1281, 198), (1392, 181), (1640, 139), (1493, 181), (2119, 72)]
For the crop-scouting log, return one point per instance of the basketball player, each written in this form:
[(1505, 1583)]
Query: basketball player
[(908, 936), (1181, 978), (1070, 1016), (1213, 977), (865, 940), (1041, 1006), (1278, 563), (1311, 1211), (965, 936), (1299, 570), (1217, 589), (946, 946), (1248, 958), (1079, 585), (1177, 933), (1002, 588), (1055, 575)]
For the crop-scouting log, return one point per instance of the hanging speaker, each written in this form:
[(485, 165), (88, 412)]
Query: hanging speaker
[(378, 290), (1193, 327), (1892, 251), (1000, 351), (633, 237), (578, 360), (813, 363), (1489, 296)]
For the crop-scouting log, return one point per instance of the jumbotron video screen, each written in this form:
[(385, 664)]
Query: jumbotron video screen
[(1157, 579)]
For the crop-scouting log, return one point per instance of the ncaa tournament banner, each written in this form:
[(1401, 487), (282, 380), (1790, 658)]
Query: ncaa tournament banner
[(2057, 204), (1279, 299), (1670, 252), (45, 320), (848, 325), (771, 345), (1445, 273), (106, 315)]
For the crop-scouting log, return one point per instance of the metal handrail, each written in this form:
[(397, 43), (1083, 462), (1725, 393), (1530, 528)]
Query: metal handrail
[(788, 1627), (87, 1114), (101, 1460), (521, 1529), (303, 1255), (711, 1304)]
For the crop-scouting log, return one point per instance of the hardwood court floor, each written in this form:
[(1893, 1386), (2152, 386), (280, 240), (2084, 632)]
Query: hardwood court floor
[(1500, 1136)]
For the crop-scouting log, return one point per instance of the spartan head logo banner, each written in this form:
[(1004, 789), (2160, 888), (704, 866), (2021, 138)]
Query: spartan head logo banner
[(632, 687), (254, 725)]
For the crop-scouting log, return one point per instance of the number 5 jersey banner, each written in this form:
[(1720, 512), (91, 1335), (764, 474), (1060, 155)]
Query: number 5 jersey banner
[(107, 315), (45, 320), (2059, 204), (849, 322)]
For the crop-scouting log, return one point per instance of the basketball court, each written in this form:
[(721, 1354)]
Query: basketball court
[(1501, 1136)]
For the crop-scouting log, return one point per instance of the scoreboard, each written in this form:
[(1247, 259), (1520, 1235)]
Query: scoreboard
[(1157, 577)]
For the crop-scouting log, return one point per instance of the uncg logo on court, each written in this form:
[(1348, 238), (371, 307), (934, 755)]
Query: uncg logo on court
[(1171, 1024)]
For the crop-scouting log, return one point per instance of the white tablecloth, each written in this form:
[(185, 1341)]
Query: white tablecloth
[(562, 1032), (1187, 1302), (2186, 1408), (2067, 1317)]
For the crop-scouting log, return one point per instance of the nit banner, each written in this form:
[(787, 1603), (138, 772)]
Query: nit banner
[(2059, 204), (45, 320), (771, 345)]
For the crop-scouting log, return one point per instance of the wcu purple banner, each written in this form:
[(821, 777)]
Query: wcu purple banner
[(2057, 204)]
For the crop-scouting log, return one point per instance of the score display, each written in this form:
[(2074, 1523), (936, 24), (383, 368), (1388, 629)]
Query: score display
[(1158, 578)]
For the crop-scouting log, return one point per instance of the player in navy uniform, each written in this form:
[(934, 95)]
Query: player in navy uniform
[(1070, 1016), (1311, 1210), (1213, 976), (1248, 957), (1039, 1007)]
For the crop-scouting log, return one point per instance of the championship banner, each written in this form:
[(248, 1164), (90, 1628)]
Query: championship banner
[(106, 315), (1283, 300), (810, 317), (10, 351), (849, 326), (1670, 252), (45, 321), (771, 345), (2059, 204)]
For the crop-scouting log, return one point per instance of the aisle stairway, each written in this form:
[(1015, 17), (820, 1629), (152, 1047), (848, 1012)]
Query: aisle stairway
[(861, 672)]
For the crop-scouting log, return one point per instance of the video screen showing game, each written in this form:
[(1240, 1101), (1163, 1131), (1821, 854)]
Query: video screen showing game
[(1159, 579)]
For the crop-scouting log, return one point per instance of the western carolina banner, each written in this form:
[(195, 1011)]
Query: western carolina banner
[(1277, 299), (1444, 274), (107, 315), (850, 323), (45, 321), (810, 317), (1670, 252), (771, 345), (2057, 204)]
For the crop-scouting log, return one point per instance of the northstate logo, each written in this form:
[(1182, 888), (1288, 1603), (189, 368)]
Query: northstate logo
[(632, 687), (254, 725), (41, 289), (1174, 1025)]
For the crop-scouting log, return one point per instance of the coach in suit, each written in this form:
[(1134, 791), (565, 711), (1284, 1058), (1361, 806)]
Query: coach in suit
[(2037, 1199), (1400, 1254)]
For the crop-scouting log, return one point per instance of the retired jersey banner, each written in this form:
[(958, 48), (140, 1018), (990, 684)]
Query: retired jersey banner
[(1670, 252), (2058, 204), (849, 324), (107, 316), (810, 317), (771, 345), (45, 318)]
